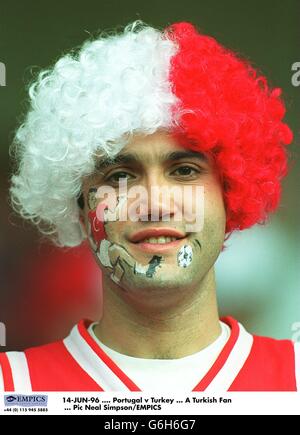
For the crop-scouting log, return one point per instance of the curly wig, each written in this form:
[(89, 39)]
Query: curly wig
[(92, 101)]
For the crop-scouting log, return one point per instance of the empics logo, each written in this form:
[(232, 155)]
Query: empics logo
[(2, 74), (24, 400), (2, 334)]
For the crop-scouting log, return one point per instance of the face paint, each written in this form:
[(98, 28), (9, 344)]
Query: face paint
[(154, 263), (93, 244), (114, 214), (116, 252), (96, 227), (198, 243), (103, 254), (185, 256), (100, 215), (110, 254), (114, 256), (118, 272), (150, 269)]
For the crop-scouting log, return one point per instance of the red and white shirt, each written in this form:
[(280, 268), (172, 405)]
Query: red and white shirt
[(79, 363)]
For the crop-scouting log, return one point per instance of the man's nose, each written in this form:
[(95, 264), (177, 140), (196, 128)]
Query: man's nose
[(160, 204)]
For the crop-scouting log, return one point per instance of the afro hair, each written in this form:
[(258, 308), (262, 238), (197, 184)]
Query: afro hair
[(92, 101)]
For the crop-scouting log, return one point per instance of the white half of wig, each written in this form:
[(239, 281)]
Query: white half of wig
[(89, 102)]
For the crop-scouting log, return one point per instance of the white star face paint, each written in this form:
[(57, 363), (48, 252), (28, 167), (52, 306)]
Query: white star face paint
[(185, 256)]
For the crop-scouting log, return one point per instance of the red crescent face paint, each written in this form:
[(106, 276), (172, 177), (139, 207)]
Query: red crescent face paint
[(97, 226)]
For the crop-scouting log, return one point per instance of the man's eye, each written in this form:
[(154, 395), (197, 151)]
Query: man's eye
[(114, 178), (186, 171)]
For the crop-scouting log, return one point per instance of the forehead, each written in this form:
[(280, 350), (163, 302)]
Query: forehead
[(157, 142), (153, 148)]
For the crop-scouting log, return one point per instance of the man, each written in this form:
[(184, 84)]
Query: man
[(128, 113)]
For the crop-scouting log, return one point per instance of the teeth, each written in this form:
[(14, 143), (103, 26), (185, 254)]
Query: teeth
[(159, 240)]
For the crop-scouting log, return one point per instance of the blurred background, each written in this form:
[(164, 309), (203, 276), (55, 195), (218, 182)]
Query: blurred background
[(45, 290)]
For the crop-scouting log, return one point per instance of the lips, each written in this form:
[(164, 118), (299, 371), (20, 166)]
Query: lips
[(156, 232)]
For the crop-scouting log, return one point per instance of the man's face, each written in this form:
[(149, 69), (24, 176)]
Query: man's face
[(143, 268)]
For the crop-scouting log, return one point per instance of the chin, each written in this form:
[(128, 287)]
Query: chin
[(159, 284)]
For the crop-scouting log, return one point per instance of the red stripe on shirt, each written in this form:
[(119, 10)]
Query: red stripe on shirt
[(269, 367), (53, 368), (106, 359), (7, 373), (222, 358)]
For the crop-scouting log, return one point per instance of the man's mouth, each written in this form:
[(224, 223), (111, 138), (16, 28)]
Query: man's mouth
[(159, 246), (158, 240), (156, 233)]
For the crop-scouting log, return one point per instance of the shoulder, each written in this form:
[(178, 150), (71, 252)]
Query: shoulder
[(14, 371), (274, 350), (276, 355), (272, 365), (51, 367), (17, 368), (278, 349)]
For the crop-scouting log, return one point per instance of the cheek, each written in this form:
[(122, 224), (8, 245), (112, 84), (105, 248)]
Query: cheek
[(214, 216), (207, 201), (214, 204), (114, 230)]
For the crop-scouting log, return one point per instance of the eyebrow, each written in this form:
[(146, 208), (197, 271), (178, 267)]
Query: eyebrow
[(127, 158)]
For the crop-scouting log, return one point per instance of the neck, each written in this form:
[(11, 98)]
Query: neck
[(178, 331)]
